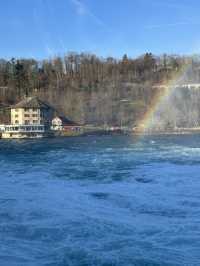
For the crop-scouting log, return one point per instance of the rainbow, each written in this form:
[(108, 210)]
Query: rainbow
[(163, 93)]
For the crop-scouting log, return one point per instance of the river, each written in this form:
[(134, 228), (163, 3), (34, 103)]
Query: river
[(102, 201)]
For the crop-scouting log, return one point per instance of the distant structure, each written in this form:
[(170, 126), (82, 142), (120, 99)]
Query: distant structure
[(30, 118), (190, 86), (61, 122), (65, 127)]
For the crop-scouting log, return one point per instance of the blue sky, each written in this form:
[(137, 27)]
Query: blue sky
[(43, 28)]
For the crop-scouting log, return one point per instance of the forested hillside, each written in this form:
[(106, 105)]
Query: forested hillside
[(100, 91)]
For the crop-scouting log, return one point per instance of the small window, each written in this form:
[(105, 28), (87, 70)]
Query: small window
[(16, 122), (35, 121), (26, 115), (16, 116)]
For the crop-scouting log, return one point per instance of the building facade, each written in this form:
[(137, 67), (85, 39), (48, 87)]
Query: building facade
[(25, 116), (30, 118), (57, 123)]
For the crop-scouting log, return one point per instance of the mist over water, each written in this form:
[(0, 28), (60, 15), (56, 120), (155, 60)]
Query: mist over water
[(100, 201), (179, 109)]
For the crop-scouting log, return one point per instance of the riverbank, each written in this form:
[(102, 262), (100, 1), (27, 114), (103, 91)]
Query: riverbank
[(179, 131), (98, 131)]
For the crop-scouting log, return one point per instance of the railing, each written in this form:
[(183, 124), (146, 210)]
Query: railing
[(24, 128)]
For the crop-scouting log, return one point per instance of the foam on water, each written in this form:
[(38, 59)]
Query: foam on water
[(100, 201)]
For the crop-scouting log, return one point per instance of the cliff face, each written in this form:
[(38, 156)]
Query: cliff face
[(92, 90)]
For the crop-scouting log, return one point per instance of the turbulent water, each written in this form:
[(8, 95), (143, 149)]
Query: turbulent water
[(100, 201)]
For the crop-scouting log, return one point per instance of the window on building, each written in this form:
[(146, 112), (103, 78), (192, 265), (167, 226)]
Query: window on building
[(27, 122), (16, 122), (34, 115), (26, 115), (16, 116), (35, 121)]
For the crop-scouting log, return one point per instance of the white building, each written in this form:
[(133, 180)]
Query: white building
[(61, 122), (57, 123), (30, 118)]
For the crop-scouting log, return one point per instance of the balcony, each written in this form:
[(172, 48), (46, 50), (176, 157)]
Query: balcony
[(24, 128)]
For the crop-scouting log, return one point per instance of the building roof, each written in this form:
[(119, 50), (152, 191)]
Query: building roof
[(66, 121), (32, 102)]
